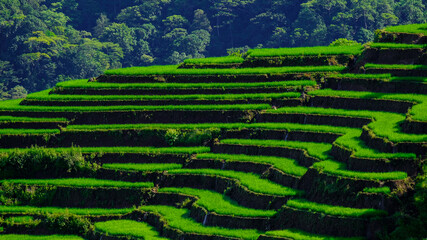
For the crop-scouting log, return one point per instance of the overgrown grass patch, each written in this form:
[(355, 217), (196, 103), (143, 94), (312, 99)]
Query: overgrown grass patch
[(362, 76), (80, 182), (317, 150), (395, 66), (339, 169), (128, 228), (39, 237), (335, 210), (219, 203), (411, 28), (181, 220), (397, 45), (173, 70), (30, 119), (23, 131), (252, 181), (286, 165), (383, 190), (306, 51)]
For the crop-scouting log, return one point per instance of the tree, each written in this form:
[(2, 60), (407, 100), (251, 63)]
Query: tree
[(411, 11), (101, 23), (200, 21)]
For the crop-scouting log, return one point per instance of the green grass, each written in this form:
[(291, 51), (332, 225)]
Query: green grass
[(128, 228), (38, 237), (385, 125), (215, 60), (13, 105), (19, 131), (142, 150), (219, 203), (397, 45), (362, 76), (317, 150), (20, 219), (383, 190), (308, 51), (335, 210), (180, 219), (252, 181), (77, 211), (173, 70), (395, 66), (296, 234), (409, 79), (288, 166), (99, 85), (151, 167), (45, 96), (80, 182), (29, 119), (411, 28), (338, 169)]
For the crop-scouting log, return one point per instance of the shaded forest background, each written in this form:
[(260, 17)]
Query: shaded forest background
[(43, 42)]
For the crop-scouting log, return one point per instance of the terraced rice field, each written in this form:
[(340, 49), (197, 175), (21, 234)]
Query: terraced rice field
[(259, 147)]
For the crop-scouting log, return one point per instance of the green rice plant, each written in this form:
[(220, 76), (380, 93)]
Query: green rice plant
[(84, 84), (397, 45), (385, 124), (20, 219), (215, 60), (251, 181), (317, 150), (19, 131), (30, 119), (288, 166), (173, 70), (335, 210), (383, 190), (395, 66), (339, 169), (409, 79), (128, 228), (411, 28), (180, 219), (39, 237), (301, 235), (148, 167), (361, 76), (80, 182), (262, 96), (56, 210), (219, 203), (13, 105), (142, 150), (306, 51)]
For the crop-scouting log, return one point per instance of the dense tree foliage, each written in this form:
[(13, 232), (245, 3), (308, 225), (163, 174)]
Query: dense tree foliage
[(47, 41)]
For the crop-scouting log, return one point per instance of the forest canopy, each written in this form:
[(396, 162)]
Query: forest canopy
[(43, 42)]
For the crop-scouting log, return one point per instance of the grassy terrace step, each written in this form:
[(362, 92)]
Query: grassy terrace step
[(252, 181), (339, 169), (383, 190), (220, 204), (99, 85), (317, 150), (12, 119), (77, 211), (397, 46), (128, 228), (80, 182), (411, 28), (418, 112), (13, 105), (214, 60), (334, 210), (384, 125), (383, 77), (173, 70), (286, 165), (306, 51), (147, 167), (19, 131), (179, 219), (395, 66), (123, 150), (296, 234), (39, 237)]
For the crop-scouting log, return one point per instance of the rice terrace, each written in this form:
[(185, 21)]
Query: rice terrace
[(289, 143)]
